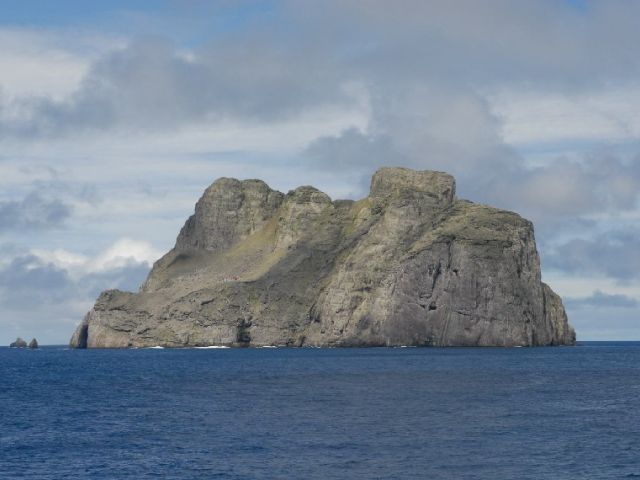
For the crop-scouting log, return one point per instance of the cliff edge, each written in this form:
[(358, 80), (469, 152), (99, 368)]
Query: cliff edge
[(409, 265)]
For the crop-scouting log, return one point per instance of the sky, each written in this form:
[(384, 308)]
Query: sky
[(116, 115)]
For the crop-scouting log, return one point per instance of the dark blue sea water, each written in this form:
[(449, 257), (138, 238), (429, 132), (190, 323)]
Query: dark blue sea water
[(525, 413)]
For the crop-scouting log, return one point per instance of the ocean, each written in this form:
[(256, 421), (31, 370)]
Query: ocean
[(371, 413)]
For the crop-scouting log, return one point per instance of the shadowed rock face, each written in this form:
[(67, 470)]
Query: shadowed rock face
[(408, 265)]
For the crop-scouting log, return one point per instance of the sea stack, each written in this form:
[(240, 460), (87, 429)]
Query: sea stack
[(410, 264), (33, 343), (19, 343)]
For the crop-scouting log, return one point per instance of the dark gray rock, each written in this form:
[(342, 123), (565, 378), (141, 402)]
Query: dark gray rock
[(408, 265), (33, 343), (19, 343)]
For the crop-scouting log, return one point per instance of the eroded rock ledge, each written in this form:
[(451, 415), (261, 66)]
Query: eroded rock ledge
[(408, 265)]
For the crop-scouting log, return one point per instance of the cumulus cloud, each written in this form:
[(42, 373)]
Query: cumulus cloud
[(124, 253), (466, 40), (49, 202), (151, 85), (559, 192), (427, 126), (42, 63), (26, 280), (44, 293), (33, 212), (269, 73), (597, 183), (601, 299), (40, 300), (83, 192), (614, 254), (548, 119)]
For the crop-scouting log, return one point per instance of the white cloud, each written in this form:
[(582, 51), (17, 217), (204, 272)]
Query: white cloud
[(580, 286), (62, 259), (533, 117), (45, 63), (123, 253), (46, 293)]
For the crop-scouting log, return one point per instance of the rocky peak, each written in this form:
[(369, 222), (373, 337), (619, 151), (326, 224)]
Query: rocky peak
[(228, 211), (402, 186), (301, 207), (308, 194)]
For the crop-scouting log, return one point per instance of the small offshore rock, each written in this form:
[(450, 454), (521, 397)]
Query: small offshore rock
[(19, 343), (33, 343)]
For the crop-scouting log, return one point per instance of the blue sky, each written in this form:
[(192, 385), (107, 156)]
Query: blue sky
[(187, 22), (114, 117)]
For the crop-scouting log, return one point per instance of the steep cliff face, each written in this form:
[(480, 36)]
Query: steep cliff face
[(408, 265)]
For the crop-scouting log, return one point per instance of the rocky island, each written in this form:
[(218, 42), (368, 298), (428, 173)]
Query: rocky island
[(411, 264), (19, 343)]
